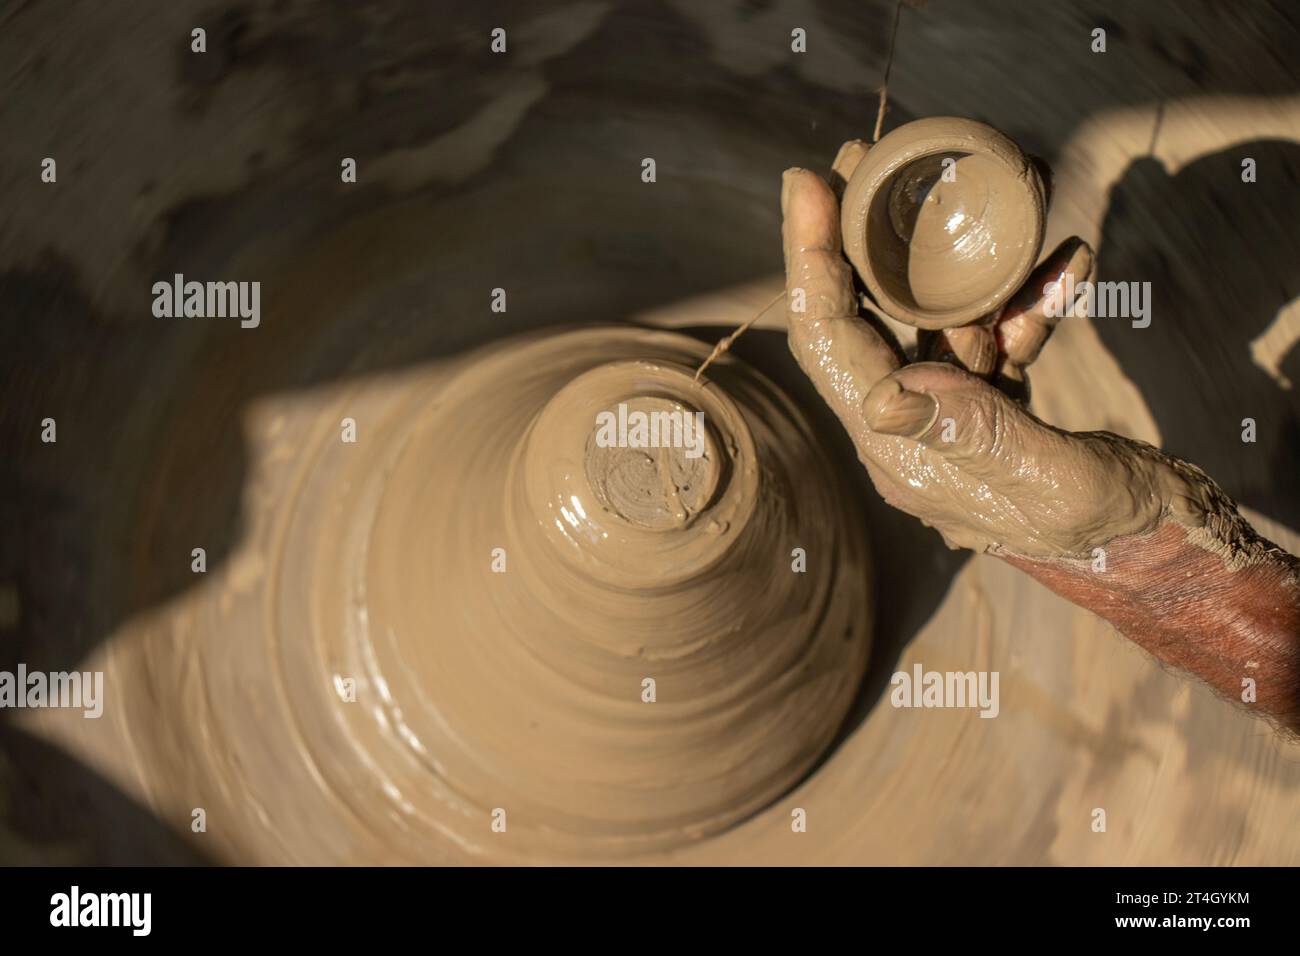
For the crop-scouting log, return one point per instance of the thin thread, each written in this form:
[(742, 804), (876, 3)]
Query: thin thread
[(1155, 128), (725, 343), (889, 64)]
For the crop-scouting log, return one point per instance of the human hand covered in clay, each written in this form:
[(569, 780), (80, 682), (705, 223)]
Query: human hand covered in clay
[(942, 443), (961, 454)]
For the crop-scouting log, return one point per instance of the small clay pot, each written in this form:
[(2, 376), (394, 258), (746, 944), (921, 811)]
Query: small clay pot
[(943, 220)]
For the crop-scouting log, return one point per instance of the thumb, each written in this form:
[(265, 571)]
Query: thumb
[(956, 414)]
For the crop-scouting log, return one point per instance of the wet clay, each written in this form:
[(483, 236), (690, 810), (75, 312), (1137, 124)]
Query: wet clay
[(169, 434), (943, 219), (496, 589), (1010, 482)]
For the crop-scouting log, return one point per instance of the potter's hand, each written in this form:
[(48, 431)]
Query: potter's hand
[(941, 443), (1142, 539)]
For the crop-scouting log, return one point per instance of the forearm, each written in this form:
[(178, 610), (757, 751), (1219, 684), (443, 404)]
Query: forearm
[(1217, 601)]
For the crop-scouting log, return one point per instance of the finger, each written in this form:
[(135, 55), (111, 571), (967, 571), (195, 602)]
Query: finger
[(846, 161), (1031, 315), (841, 354), (963, 418), (971, 347), (818, 281)]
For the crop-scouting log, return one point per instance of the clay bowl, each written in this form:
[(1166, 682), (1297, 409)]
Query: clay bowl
[(943, 219)]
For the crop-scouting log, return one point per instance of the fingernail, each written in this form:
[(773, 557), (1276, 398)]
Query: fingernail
[(1073, 256), (787, 181), (1080, 261), (894, 410)]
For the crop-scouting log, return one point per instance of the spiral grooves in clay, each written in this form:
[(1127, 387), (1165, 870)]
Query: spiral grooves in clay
[(522, 688)]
